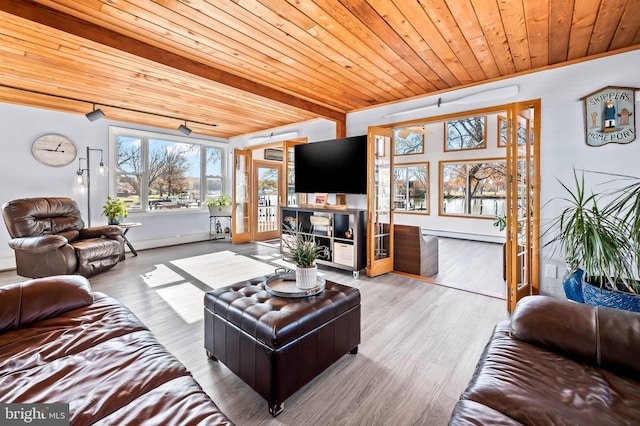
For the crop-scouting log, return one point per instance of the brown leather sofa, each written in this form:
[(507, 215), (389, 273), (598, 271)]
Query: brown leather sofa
[(61, 343), (49, 238), (413, 252), (557, 363)]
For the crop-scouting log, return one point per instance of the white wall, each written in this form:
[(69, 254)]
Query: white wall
[(434, 152), (22, 176), (313, 130), (562, 144)]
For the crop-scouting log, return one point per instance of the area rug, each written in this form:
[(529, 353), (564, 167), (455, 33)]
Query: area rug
[(222, 268)]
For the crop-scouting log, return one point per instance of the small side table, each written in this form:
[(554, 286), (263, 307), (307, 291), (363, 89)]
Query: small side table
[(214, 223), (125, 227)]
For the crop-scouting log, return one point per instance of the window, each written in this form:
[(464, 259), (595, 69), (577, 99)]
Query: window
[(502, 133), (474, 188), (465, 133), (163, 172), (411, 188), (409, 140)]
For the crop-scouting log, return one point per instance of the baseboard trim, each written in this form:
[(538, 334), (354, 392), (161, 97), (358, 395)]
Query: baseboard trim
[(464, 236)]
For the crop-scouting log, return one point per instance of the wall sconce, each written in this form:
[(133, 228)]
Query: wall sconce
[(94, 115), (184, 129), (84, 181)]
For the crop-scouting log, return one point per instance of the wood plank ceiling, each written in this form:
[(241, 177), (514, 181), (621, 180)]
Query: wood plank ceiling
[(251, 65)]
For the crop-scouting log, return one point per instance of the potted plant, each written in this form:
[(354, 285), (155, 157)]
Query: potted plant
[(598, 235), (303, 251), (115, 210), (220, 205)]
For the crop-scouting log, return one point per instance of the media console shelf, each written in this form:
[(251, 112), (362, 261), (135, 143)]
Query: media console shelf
[(342, 233)]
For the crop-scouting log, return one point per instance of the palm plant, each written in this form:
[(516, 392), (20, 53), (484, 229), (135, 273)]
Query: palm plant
[(599, 236)]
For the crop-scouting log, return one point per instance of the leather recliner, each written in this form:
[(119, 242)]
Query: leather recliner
[(49, 238)]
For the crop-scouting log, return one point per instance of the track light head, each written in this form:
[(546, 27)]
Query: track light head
[(94, 115), (184, 129)]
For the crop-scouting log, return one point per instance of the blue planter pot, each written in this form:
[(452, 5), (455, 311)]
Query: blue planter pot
[(610, 299), (579, 291), (572, 284)]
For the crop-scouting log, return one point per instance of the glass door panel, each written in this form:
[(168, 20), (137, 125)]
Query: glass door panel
[(267, 184), (379, 200), (292, 199), (522, 202), (242, 196)]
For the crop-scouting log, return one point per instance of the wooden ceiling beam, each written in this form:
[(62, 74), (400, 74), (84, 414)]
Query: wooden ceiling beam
[(44, 15)]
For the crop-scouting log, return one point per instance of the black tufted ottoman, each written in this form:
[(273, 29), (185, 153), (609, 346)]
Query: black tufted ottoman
[(276, 345)]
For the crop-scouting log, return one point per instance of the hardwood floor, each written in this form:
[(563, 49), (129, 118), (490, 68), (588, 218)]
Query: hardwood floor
[(471, 265), (420, 345)]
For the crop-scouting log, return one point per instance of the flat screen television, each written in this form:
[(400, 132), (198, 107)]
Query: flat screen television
[(337, 166)]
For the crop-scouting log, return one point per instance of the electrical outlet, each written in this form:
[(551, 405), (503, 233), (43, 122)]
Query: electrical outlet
[(551, 271)]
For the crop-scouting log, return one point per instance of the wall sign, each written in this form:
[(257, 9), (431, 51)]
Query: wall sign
[(609, 116)]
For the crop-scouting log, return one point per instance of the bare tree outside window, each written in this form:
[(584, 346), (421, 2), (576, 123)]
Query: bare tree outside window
[(129, 170), (406, 142), (411, 188), (466, 133), (155, 173), (473, 188)]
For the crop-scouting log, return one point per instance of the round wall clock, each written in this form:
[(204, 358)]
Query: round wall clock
[(54, 150)]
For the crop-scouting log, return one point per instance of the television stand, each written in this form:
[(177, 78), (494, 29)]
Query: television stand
[(342, 233)]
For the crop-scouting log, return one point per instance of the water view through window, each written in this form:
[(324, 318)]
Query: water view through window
[(473, 188)]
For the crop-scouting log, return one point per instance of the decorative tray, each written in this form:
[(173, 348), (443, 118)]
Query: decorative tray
[(284, 285)]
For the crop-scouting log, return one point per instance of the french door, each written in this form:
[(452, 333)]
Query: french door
[(379, 201), (242, 200), (267, 198), (523, 201)]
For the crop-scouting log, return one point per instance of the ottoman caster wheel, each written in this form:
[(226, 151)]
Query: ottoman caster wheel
[(211, 356), (275, 409)]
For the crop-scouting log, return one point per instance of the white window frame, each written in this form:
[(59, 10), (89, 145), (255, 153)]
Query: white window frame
[(145, 136)]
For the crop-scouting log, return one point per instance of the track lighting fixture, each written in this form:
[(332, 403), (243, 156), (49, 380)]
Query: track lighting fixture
[(184, 129), (96, 114)]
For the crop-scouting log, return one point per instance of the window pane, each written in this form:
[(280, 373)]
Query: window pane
[(418, 188), (465, 133), (482, 183), (408, 141), (214, 157), (128, 189), (454, 183), (129, 154), (410, 188), (214, 161), (174, 174), (214, 187), (400, 188), (487, 188)]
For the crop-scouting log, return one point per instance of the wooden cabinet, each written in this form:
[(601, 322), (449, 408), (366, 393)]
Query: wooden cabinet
[(342, 233)]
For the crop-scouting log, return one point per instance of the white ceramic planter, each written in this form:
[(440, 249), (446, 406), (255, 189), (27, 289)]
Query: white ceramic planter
[(220, 210), (306, 278)]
